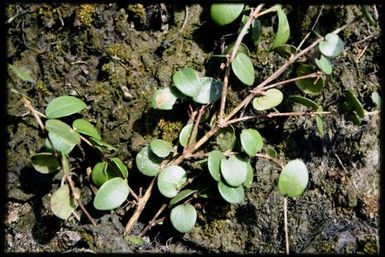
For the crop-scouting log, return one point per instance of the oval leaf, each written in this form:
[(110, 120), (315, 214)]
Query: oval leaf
[(101, 172), (59, 144), (311, 86), (187, 81), (45, 163), (170, 180), (214, 164), (252, 141), (210, 91), (324, 64), (250, 176), (61, 202), (111, 194), (304, 101), (160, 147), (293, 179), (22, 73), (231, 194), (183, 217), (225, 13), (185, 133), (256, 31), (147, 162), (353, 101), (234, 171), (226, 138), (85, 127), (332, 46), (283, 30), (63, 131), (285, 50), (63, 106), (100, 144), (243, 68), (119, 167), (271, 99), (163, 99), (242, 48), (182, 195)]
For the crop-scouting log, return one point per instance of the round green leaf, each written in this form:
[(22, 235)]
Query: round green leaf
[(353, 101), (101, 172), (324, 64), (243, 68), (63, 106), (304, 101), (242, 48), (214, 164), (226, 138), (271, 99), (45, 163), (161, 147), (210, 91), (170, 180), (283, 30), (376, 98), (311, 86), (234, 171), (185, 133), (187, 81), (111, 194), (293, 179), (62, 130), (119, 167), (183, 217), (231, 194), (250, 176), (225, 13), (61, 202), (182, 195), (285, 50), (85, 127), (252, 141), (332, 46), (147, 162), (163, 99), (59, 144)]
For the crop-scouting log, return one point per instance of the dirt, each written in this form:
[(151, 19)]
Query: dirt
[(114, 56)]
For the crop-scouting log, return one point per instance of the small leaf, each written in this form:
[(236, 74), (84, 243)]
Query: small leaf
[(111, 194), (353, 101), (311, 86), (271, 152), (101, 144), (161, 147), (163, 99), (234, 171), (147, 162), (45, 163), (231, 194), (256, 31), (250, 176), (271, 99), (226, 139), (285, 50), (63, 106), (187, 81), (61, 202), (242, 48), (210, 91), (170, 180), (182, 195), (293, 179), (283, 31), (319, 122), (252, 141), (332, 46), (59, 144), (85, 127), (376, 98), (183, 217), (185, 133), (214, 164), (119, 167), (324, 64), (243, 68), (22, 73), (225, 13), (102, 172), (62, 130), (304, 101)]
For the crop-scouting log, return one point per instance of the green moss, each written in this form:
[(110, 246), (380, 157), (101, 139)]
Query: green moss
[(85, 14), (41, 87), (170, 129)]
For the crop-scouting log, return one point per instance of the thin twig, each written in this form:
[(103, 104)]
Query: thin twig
[(285, 225), (153, 221), (194, 132), (270, 159), (308, 34), (311, 75)]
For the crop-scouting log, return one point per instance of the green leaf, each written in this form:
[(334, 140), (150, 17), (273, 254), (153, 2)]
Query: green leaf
[(250, 176), (252, 141), (210, 91), (231, 194), (187, 81), (119, 166), (59, 144), (304, 101), (226, 139), (214, 164), (45, 163), (293, 179), (271, 152), (101, 144), (170, 180), (61, 202), (183, 217), (147, 162), (22, 73), (332, 46), (319, 122), (85, 127), (243, 68), (283, 31), (376, 98), (234, 171), (182, 195), (161, 147), (185, 133), (353, 101), (311, 86), (163, 99), (242, 49), (368, 17), (285, 50), (102, 172), (63, 131), (225, 13), (271, 99), (63, 106), (111, 194), (324, 64), (256, 31)]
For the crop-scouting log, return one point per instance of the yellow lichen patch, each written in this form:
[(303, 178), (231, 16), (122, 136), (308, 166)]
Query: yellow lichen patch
[(85, 14)]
